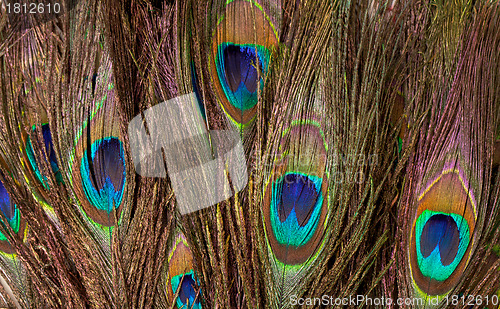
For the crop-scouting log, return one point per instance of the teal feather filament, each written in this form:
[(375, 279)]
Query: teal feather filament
[(34, 165), (442, 240)]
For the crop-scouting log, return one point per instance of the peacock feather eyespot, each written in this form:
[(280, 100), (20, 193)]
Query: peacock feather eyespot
[(10, 215), (295, 201), (103, 177), (49, 150), (442, 234), (240, 58), (97, 164), (181, 277)]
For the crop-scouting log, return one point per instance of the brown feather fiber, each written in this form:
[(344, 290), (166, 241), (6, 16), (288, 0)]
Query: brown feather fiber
[(370, 96)]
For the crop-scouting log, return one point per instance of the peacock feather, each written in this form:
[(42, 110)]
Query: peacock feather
[(239, 59), (250, 154), (295, 202), (98, 160), (450, 167), (181, 279)]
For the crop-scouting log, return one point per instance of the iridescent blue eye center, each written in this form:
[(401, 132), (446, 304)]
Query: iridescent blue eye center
[(440, 231), (187, 292), (296, 208), (238, 68), (5, 203), (187, 288), (298, 193), (104, 177), (108, 164), (441, 242)]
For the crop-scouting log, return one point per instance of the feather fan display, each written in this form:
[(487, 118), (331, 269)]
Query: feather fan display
[(322, 154)]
